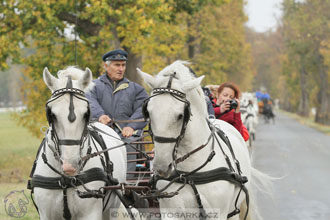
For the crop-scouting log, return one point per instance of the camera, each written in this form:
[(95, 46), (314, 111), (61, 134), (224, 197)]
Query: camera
[(233, 104)]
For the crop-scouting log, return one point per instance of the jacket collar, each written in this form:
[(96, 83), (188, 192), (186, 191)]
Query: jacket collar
[(104, 78), (122, 84)]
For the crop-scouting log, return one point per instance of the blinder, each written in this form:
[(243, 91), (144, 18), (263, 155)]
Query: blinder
[(186, 113), (73, 92), (176, 94)]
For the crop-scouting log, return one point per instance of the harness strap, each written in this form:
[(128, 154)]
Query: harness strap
[(66, 210), (34, 203), (222, 173), (161, 139), (224, 137), (36, 159), (93, 174), (69, 142), (202, 213), (99, 139)]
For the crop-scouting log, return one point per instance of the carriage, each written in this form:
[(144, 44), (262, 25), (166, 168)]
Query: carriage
[(200, 167)]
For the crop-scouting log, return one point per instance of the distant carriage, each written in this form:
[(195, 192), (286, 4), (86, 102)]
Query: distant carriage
[(267, 110)]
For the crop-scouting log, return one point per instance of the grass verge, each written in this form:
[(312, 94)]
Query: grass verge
[(17, 150)]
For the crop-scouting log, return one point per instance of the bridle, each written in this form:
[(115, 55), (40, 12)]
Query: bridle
[(71, 117), (89, 137), (186, 115)]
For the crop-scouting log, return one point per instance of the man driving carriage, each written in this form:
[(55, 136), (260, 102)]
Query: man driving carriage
[(114, 97)]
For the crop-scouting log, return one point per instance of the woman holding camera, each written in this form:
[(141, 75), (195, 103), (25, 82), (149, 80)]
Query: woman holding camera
[(227, 107)]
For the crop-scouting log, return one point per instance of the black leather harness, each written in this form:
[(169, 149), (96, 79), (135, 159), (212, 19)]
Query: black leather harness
[(194, 177), (64, 182), (89, 135)]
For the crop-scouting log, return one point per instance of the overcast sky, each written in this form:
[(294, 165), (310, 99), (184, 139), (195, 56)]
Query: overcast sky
[(263, 14)]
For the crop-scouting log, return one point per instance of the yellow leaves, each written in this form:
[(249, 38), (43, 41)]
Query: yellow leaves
[(325, 52), (147, 28), (118, 12)]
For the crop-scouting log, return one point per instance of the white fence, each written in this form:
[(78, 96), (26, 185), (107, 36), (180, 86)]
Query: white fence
[(13, 109)]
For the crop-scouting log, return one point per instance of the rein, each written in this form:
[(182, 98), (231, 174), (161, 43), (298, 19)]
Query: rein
[(125, 142)]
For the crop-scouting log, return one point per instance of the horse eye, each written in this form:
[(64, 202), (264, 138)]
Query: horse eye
[(180, 116)]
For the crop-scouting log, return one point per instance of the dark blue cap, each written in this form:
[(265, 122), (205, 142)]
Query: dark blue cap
[(115, 55)]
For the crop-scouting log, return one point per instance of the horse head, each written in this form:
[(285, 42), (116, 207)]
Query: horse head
[(68, 114), (176, 103)]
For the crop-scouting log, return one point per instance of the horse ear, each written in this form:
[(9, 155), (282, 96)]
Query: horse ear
[(49, 79), (149, 79), (192, 84), (85, 81)]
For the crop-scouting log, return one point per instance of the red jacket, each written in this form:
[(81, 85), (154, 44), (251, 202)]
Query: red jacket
[(234, 119)]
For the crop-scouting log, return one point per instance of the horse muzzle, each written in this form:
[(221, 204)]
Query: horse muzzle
[(164, 173), (69, 169)]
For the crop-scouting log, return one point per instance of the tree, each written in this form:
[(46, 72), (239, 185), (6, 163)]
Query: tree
[(267, 51), (98, 25), (153, 32), (306, 28), (221, 51)]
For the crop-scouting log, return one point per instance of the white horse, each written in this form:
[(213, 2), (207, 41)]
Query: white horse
[(67, 180), (249, 113), (185, 141)]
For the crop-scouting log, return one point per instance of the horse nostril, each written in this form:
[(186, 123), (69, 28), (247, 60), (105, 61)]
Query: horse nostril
[(68, 169)]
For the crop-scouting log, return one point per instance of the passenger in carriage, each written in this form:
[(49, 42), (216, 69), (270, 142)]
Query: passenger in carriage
[(207, 96), (227, 107), (114, 97), (209, 101)]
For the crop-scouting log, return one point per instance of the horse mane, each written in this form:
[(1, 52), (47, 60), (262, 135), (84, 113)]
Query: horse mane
[(180, 67), (72, 71), (75, 73), (184, 74)]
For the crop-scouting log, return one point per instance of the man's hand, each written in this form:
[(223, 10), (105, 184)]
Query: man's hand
[(104, 119), (127, 131)]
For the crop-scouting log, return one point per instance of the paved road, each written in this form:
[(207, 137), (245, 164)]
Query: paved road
[(301, 155)]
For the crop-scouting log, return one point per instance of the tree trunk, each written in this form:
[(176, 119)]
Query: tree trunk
[(190, 41), (323, 110), (133, 62), (304, 99)]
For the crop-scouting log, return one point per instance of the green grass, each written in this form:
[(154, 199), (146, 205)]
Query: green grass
[(17, 149)]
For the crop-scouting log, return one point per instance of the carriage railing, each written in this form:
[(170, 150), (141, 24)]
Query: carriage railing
[(142, 173)]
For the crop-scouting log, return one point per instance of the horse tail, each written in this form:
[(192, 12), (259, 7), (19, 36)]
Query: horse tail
[(260, 183)]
